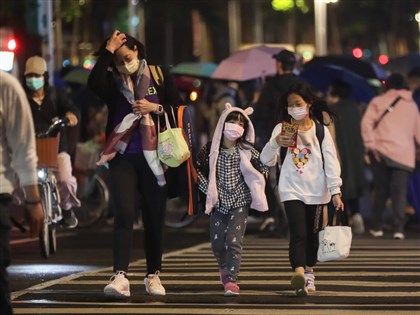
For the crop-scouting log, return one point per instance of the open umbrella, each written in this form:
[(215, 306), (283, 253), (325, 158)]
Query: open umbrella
[(194, 69), (403, 64), (365, 68), (320, 76), (243, 65), (77, 75)]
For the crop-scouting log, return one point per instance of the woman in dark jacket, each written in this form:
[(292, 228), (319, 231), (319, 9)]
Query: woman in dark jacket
[(135, 100)]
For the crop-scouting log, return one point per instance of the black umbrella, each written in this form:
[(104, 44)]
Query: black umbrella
[(403, 64), (365, 68)]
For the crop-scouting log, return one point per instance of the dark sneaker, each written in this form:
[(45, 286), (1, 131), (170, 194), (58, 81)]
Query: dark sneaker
[(69, 220)]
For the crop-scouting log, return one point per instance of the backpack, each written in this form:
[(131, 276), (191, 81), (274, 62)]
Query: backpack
[(183, 180), (157, 74)]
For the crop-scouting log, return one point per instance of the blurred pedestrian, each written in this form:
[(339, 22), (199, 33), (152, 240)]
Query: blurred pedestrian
[(390, 129), (413, 81), (124, 81), (220, 94), (350, 149), (47, 105), (232, 177), (309, 179), (17, 159), (266, 116)]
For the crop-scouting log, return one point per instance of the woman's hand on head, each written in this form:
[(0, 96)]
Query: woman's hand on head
[(116, 40)]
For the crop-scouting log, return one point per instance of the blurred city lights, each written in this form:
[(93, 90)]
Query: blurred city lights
[(383, 59), (357, 52), (6, 60), (66, 63), (11, 44), (193, 96), (88, 64), (367, 53)]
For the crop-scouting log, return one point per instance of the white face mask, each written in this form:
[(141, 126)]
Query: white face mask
[(297, 113), (129, 68), (232, 131)]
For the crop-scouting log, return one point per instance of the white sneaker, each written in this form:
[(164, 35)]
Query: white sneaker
[(153, 285), (357, 226), (376, 233), (119, 286), (399, 236), (310, 281)]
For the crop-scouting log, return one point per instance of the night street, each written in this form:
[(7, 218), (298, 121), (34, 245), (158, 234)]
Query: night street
[(381, 276)]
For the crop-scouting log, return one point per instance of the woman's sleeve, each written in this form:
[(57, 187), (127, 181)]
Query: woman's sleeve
[(367, 125), (271, 151), (256, 162), (331, 164), (202, 167), (100, 80)]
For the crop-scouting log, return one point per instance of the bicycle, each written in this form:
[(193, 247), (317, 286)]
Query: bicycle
[(47, 151)]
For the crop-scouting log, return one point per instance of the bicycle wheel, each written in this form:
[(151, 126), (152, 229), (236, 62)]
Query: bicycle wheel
[(94, 197), (44, 240), (176, 215)]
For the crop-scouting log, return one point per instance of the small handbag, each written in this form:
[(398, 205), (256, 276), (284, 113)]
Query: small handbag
[(334, 241), (172, 147)]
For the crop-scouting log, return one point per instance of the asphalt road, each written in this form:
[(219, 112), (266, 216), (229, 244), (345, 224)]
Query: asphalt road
[(381, 276)]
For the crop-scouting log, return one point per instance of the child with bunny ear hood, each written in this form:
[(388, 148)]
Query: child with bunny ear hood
[(232, 177)]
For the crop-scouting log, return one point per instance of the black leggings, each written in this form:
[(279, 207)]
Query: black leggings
[(131, 179), (303, 245)]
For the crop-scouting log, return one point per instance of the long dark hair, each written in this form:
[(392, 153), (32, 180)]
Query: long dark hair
[(238, 116), (318, 104), (130, 43)]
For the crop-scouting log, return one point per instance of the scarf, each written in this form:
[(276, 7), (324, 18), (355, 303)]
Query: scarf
[(120, 137), (254, 179)]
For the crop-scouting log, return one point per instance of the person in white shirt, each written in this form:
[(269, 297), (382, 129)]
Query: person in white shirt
[(18, 160), (309, 178)]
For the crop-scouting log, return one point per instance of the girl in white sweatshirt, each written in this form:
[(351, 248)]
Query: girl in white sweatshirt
[(309, 177)]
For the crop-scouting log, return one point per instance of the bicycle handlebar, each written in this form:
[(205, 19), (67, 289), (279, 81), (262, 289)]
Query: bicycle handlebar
[(62, 122)]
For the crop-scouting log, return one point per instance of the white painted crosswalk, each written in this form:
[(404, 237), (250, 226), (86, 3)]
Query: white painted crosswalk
[(379, 277)]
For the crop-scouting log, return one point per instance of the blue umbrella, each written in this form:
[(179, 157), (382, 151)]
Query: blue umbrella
[(194, 69), (363, 67), (320, 76)]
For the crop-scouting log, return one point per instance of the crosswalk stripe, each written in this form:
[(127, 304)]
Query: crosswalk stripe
[(375, 279)]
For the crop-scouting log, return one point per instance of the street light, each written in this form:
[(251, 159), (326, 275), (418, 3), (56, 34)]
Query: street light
[(321, 25)]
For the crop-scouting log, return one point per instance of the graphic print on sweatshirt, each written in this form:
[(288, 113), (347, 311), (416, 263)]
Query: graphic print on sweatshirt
[(300, 158)]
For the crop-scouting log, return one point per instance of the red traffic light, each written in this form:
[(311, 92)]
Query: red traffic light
[(11, 44), (383, 59), (357, 52)]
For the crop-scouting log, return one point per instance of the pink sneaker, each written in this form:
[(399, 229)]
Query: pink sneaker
[(231, 289)]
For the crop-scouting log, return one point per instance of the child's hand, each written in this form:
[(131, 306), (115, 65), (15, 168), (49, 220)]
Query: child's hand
[(284, 140), (337, 202)]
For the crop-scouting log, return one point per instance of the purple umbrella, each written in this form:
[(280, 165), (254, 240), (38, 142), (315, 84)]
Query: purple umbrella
[(247, 64)]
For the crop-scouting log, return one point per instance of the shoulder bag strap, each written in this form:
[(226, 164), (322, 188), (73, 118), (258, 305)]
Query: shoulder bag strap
[(388, 110)]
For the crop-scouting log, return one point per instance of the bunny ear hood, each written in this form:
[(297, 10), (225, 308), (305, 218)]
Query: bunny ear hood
[(218, 132)]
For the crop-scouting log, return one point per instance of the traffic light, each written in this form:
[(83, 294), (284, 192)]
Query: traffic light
[(357, 52), (383, 59)]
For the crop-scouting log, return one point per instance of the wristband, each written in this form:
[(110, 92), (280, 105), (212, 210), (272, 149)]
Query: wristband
[(32, 203), (159, 109)]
